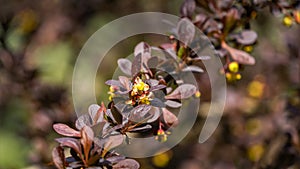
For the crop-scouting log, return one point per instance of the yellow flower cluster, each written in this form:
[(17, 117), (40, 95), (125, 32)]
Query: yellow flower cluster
[(111, 93), (233, 74), (161, 136), (140, 93)]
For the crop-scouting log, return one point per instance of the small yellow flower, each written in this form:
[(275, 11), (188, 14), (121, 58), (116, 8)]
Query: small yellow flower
[(197, 94), (248, 48), (233, 67), (231, 77), (161, 136), (287, 21), (144, 100)]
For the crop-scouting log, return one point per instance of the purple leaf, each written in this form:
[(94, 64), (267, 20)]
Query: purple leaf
[(182, 92), (148, 126), (136, 65), (187, 8), (96, 113), (157, 87), (193, 68), (65, 130), (125, 82), (173, 104), (169, 117), (113, 83), (115, 159), (157, 103), (246, 37), (143, 49), (239, 56), (127, 164), (58, 157), (84, 120), (139, 113), (202, 58), (71, 143), (113, 141), (125, 66), (185, 31)]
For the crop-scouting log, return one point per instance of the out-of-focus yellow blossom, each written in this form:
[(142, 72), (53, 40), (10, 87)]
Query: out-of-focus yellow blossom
[(162, 160), (253, 126), (255, 152), (231, 77), (197, 94), (248, 48), (256, 89), (28, 21), (287, 21)]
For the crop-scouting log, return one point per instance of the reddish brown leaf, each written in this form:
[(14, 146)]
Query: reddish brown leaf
[(58, 157), (87, 140), (66, 130)]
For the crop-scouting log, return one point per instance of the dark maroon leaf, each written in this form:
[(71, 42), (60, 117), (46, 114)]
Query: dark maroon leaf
[(173, 104), (58, 157), (66, 130), (127, 164), (239, 56), (187, 8), (182, 92), (157, 87), (140, 113), (193, 68), (125, 66), (169, 117), (152, 62), (157, 103), (136, 65), (246, 37), (71, 143), (83, 120), (185, 31)]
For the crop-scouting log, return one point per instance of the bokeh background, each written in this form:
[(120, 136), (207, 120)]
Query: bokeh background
[(39, 44)]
